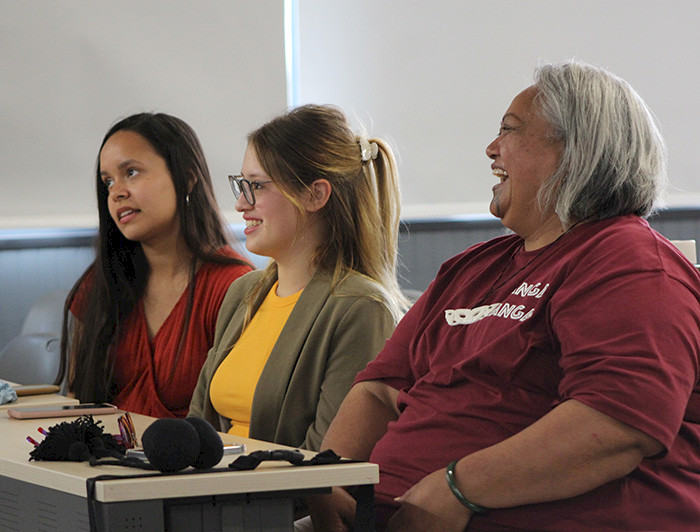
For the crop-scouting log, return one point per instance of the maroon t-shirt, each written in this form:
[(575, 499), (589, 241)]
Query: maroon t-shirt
[(608, 315)]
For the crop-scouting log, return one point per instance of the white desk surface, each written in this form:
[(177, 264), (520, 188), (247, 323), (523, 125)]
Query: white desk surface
[(70, 477)]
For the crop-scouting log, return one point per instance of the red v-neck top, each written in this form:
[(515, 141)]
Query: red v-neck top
[(144, 377)]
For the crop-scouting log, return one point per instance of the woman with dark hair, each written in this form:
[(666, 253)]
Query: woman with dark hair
[(323, 204), (145, 310)]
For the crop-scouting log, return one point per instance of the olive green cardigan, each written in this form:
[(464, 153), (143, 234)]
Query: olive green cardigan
[(327, 340)]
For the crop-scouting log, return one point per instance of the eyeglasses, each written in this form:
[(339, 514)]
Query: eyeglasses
[(127, 431), (240, 184)]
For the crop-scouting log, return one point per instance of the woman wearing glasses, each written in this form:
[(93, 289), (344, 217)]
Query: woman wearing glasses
[(323, 204), (145, 310)]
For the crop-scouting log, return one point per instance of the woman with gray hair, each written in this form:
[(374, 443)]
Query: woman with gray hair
[(547, 379)]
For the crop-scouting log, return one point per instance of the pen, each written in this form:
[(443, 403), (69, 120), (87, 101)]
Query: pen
[(42, 431), (32, 441)]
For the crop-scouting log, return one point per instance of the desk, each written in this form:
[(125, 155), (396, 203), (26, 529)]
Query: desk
[(53, 495)]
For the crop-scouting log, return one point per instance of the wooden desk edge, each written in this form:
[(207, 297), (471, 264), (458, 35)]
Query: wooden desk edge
[(263, 479)]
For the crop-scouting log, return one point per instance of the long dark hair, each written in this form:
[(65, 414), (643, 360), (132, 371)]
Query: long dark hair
[(119, 274)]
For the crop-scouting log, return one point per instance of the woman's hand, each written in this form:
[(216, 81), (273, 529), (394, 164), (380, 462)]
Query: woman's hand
[(430, 506), (332, 513), (360, 422)]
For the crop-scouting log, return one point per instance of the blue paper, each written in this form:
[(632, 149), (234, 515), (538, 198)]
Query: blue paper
[(7, 393)]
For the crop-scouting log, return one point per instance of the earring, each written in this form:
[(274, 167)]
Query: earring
[(187, 199)]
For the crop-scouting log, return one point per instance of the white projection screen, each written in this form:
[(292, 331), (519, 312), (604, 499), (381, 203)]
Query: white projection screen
[(436, 77), (71, 68), (433, 77)]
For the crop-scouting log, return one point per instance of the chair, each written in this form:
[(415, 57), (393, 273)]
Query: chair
[(33, 357), (687, 247)]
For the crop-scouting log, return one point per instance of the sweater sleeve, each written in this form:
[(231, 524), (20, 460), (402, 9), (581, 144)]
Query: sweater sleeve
[(359, 335)]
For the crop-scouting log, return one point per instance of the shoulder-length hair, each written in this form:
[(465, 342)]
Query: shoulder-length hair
[(614, 157), (361, 217), (118, 276)]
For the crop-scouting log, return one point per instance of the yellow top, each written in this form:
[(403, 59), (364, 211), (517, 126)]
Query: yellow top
[(234, 381)]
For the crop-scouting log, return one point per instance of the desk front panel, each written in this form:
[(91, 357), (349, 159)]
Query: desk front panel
[(259, 496), (28, 507)]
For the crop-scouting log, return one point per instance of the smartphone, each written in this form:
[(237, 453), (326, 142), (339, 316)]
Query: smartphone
[(229, 448), (61, 410)]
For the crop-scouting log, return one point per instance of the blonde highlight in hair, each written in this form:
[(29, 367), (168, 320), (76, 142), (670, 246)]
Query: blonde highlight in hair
[(361, 216)]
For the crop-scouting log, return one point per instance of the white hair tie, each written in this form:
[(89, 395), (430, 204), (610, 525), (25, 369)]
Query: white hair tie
[(368, 150)]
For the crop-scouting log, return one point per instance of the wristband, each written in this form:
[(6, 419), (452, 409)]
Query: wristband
[(450, 475)]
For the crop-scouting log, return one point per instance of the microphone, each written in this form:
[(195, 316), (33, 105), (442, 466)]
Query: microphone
[(211, 448), (174, 444), (170, 444)]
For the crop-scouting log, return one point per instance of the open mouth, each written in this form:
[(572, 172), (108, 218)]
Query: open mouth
[(252, 223), (500, 174), (126, 214)]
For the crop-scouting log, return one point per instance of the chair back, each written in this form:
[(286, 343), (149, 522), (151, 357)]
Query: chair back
[(688, 248), (46, 314), (31, 359), (34, 356)]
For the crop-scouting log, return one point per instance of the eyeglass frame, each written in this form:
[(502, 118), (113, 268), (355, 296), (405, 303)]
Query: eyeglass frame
[(127, 431), (236, 182)]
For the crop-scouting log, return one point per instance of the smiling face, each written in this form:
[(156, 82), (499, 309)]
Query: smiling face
[(273, 223), (524, 155), (142, 200)]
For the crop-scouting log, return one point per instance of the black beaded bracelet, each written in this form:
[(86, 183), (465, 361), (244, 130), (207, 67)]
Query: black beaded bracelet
[(450, 475)]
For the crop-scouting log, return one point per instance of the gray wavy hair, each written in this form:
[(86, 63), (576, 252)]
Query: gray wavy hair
[(614, 157)]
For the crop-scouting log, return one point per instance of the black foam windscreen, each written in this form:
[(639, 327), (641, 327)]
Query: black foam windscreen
[(211, 448), (171, 444)]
